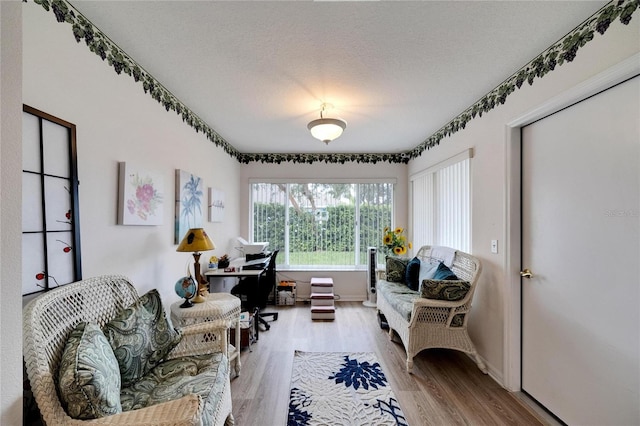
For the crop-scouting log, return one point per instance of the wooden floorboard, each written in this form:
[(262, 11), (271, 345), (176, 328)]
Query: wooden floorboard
[(446, 387)]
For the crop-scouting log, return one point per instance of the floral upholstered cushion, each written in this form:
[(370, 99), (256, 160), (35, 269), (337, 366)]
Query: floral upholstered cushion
[(399, 296), (204, 375), (451, 290), (395, 269), (88, 377), (141, 337)]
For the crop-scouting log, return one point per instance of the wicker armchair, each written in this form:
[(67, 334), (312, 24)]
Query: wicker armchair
[(48, 321), (433, 323)]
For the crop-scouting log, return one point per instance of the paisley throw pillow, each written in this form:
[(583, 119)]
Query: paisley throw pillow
[(451, 290), (89, 377), (141, 337), (395, 269)]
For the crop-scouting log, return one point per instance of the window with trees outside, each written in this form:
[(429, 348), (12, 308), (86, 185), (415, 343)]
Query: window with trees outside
[(319, 225)]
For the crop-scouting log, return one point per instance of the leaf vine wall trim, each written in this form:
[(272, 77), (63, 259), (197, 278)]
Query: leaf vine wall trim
[(101, 45), (561, 52)]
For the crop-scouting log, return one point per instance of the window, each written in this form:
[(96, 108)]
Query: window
[(441, 211), (321, 225), (50, 229)]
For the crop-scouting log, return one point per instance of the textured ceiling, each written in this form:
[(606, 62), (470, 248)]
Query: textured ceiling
[(257, 72)]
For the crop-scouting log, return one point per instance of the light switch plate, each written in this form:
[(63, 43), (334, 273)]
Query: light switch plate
[(494, 246)]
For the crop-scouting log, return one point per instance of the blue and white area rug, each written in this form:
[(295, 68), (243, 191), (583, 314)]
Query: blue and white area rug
[(338, 388)]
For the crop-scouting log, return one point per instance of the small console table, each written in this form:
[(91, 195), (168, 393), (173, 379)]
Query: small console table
[(222, 307)]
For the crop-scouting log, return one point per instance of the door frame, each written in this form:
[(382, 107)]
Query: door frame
[(619, 73)]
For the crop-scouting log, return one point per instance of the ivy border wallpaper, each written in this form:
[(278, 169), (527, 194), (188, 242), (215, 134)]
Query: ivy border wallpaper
[(561, 52)]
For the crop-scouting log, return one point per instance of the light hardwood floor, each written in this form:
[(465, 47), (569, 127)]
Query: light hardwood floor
[(446, 387)]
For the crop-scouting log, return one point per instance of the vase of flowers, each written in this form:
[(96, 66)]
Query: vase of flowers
[(394, 241)]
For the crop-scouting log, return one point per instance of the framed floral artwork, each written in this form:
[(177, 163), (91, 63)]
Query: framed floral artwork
[(189, 203), (140, 196), (216, 205)]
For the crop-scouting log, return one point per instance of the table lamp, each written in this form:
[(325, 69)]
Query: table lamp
[(197, 241)]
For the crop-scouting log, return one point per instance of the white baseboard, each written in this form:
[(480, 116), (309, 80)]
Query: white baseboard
[(493, 372)]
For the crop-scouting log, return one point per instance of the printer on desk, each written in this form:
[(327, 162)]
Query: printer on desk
[(251, 248), (256, 257)]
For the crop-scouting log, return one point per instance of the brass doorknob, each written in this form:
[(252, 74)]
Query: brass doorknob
[(526, 273)]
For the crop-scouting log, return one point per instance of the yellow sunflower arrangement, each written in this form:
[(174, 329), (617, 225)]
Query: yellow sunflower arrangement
[(394, 241)]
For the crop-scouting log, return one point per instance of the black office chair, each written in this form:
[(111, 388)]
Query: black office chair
[(254, 293)]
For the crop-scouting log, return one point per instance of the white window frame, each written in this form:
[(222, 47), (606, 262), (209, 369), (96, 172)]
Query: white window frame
[(285, 251)]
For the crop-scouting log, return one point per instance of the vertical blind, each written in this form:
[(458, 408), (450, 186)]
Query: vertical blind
[(441, 208)]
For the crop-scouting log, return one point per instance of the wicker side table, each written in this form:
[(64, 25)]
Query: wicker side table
[(222, 307)]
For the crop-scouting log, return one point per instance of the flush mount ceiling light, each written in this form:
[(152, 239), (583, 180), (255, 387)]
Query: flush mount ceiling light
[(326, 129)]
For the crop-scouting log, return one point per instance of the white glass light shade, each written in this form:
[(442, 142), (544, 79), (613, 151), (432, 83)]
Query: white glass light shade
[(327, 129)]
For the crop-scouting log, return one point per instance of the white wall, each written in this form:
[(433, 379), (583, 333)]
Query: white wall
[(116, 121), (10, 213), (350, 285), (488, 136)]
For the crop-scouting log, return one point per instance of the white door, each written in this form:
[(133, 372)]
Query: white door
[(581, 242)]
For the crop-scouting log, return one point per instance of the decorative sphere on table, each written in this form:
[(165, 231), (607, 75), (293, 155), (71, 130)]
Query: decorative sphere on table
[(186, 288)]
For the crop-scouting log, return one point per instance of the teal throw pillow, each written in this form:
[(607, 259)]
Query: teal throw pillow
[(444, 273), (89, 377), (413, 273), (451, 290), (141, 337), (395, 269)]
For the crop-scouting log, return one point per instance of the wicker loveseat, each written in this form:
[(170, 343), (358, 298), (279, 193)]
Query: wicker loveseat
[(188, 386), (426, 322)]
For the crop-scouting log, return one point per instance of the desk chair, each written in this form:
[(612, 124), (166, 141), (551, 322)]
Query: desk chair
[(254, 292)]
